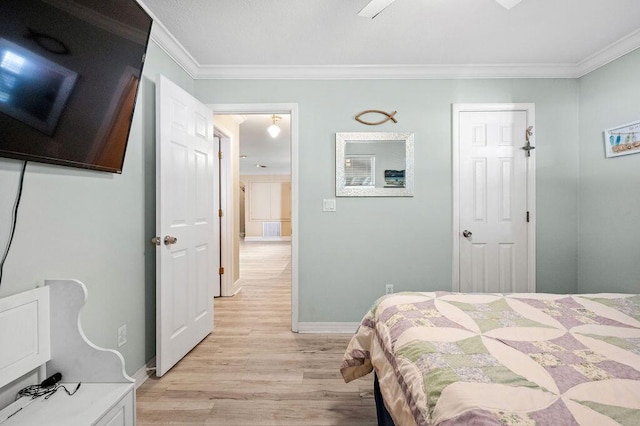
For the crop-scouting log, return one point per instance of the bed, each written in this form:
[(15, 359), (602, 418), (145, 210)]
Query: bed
[(492, 359)]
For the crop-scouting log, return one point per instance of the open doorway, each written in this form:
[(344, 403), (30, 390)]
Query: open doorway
[(262, 170), (265, 175)]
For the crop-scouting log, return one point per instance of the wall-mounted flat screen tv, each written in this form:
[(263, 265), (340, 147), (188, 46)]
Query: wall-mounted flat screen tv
[(69, 75)]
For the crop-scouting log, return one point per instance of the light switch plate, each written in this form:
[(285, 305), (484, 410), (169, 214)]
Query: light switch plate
[(329, 205)]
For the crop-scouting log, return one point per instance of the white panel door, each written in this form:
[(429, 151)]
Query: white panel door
[(493, 230), (188, 253)]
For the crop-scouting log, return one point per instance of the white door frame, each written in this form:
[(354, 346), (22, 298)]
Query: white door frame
[(292, 110), (227, 286), (529, 109)]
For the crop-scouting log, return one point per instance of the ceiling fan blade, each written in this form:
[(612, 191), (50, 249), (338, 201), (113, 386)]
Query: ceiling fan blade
[(374, 7), (508, 4)]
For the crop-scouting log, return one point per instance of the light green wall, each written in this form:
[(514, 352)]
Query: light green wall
[(609, 213), (95, 227), (346, 257)]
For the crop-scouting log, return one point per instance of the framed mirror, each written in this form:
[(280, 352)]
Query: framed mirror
[(374, 164)]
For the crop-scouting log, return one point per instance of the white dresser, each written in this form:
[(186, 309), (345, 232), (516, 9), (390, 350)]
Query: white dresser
[(40, 330)]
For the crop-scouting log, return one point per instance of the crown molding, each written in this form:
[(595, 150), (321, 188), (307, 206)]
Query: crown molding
[(609, 54), (161, 36), (385, 72), (172, 47), (167, 42)]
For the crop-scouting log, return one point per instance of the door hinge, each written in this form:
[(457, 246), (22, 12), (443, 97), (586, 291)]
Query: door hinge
[(221, 271), (220, 156), (219, 212), (527, 217)]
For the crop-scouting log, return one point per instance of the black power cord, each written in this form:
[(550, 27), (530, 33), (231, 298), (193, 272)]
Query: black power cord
[(14, 219), (36, 391), (48, 387)]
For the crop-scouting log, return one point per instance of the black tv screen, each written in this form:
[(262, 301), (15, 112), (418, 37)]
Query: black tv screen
[(69, 74)]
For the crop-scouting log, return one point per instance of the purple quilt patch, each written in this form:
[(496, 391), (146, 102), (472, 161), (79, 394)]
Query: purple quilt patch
[(570, 363), (556, 414), (570, 313)]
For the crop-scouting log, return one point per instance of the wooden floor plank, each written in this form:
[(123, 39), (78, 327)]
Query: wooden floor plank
[(252, 370)]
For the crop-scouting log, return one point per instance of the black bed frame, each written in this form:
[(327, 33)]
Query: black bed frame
[(384, 418)]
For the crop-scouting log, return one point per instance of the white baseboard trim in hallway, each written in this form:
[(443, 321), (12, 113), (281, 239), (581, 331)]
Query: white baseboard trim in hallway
[(237, 286), (267, 238), (328, 327)]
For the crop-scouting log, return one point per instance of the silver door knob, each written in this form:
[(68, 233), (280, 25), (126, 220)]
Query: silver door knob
[(168, 240), (155, 241), (467, 234)]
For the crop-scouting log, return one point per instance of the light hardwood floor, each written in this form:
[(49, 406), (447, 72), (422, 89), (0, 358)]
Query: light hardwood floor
[(252, 370)]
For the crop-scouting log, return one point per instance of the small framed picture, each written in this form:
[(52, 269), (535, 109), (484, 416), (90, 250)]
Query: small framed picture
[(622, 140)]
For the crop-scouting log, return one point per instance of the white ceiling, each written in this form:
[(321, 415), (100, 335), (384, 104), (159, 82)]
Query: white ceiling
[(260, 148), (230, 38)]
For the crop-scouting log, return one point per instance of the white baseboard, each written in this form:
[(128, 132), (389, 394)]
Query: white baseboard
[(328, 327), (236, 287), (143, 373), (267, 238)]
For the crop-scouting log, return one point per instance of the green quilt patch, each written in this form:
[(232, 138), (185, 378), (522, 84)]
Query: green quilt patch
[(627, 305), (629, 344), (497, 314), (622, 415), (467, 360)]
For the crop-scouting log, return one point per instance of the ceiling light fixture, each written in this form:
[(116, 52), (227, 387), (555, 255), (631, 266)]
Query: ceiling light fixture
[(274, 130)]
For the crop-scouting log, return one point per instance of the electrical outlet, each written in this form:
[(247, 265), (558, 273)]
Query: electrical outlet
[(388, 289), (122, 335)]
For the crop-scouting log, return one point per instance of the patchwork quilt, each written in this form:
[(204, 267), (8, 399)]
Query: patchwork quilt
[(493, 359)]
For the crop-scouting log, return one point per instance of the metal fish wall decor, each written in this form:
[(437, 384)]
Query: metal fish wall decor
[(389, 116)]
